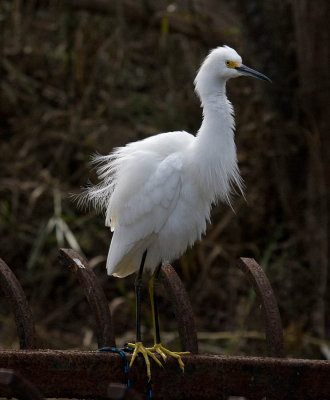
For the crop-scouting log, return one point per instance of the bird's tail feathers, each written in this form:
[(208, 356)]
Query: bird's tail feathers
[(124, 256), (125, 266), (98, 196)]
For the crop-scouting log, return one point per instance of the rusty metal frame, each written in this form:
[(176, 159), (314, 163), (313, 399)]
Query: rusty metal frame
[(181, 307), (13, 291), (87, 374), (94, 294), (84, 374), (264, 291)]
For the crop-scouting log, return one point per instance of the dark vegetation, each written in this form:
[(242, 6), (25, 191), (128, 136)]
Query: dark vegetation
[(79, 77)]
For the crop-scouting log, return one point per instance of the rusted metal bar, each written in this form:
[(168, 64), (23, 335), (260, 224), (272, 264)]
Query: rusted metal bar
[(95, 296), (264, 291), (17, 385), (182, 308), (23, 317), (82, 374)]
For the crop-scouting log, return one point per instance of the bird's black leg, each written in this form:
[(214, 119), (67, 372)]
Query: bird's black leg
[(138, 287)]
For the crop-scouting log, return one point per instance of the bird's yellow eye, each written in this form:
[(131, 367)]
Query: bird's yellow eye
[(232, 64)]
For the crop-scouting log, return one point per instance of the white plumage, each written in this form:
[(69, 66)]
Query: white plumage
[(157, 193)]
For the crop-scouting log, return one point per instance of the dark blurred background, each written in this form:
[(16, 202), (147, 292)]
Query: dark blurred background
[(83, 76)]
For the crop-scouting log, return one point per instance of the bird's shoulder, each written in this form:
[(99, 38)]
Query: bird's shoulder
[(162, 144)]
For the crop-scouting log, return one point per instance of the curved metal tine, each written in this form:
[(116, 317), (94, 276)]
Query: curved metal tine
[(182, 308), (95, 296), (264, 291), (19, 387), (12, 289)]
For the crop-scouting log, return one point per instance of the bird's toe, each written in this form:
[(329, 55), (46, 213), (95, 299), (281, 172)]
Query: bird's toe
[(164, 352), (139, 348)]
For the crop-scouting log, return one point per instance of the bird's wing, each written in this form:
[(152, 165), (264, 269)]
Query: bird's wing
[(155, 195), (125, 171), (137, 214)]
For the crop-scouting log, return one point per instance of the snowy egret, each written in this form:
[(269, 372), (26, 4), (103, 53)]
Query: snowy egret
[(157, 193)]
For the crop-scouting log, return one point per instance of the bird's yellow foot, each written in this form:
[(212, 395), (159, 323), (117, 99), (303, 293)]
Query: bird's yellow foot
[(139, 348), (160, 349)]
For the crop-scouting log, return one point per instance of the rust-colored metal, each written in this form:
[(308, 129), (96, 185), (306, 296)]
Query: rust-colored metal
[(82, 374), (23, 317), (95, 296), (181, 307), (17, 386), (264, 291)]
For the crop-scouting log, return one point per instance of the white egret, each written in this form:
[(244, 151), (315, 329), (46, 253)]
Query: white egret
[(157, 193)]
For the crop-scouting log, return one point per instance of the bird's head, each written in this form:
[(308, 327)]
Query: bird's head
[(220, 65)]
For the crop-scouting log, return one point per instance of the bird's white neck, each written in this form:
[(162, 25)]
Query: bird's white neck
[(215, 147)]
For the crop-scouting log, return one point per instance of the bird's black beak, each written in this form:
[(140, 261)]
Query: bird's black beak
[(249, 71)]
